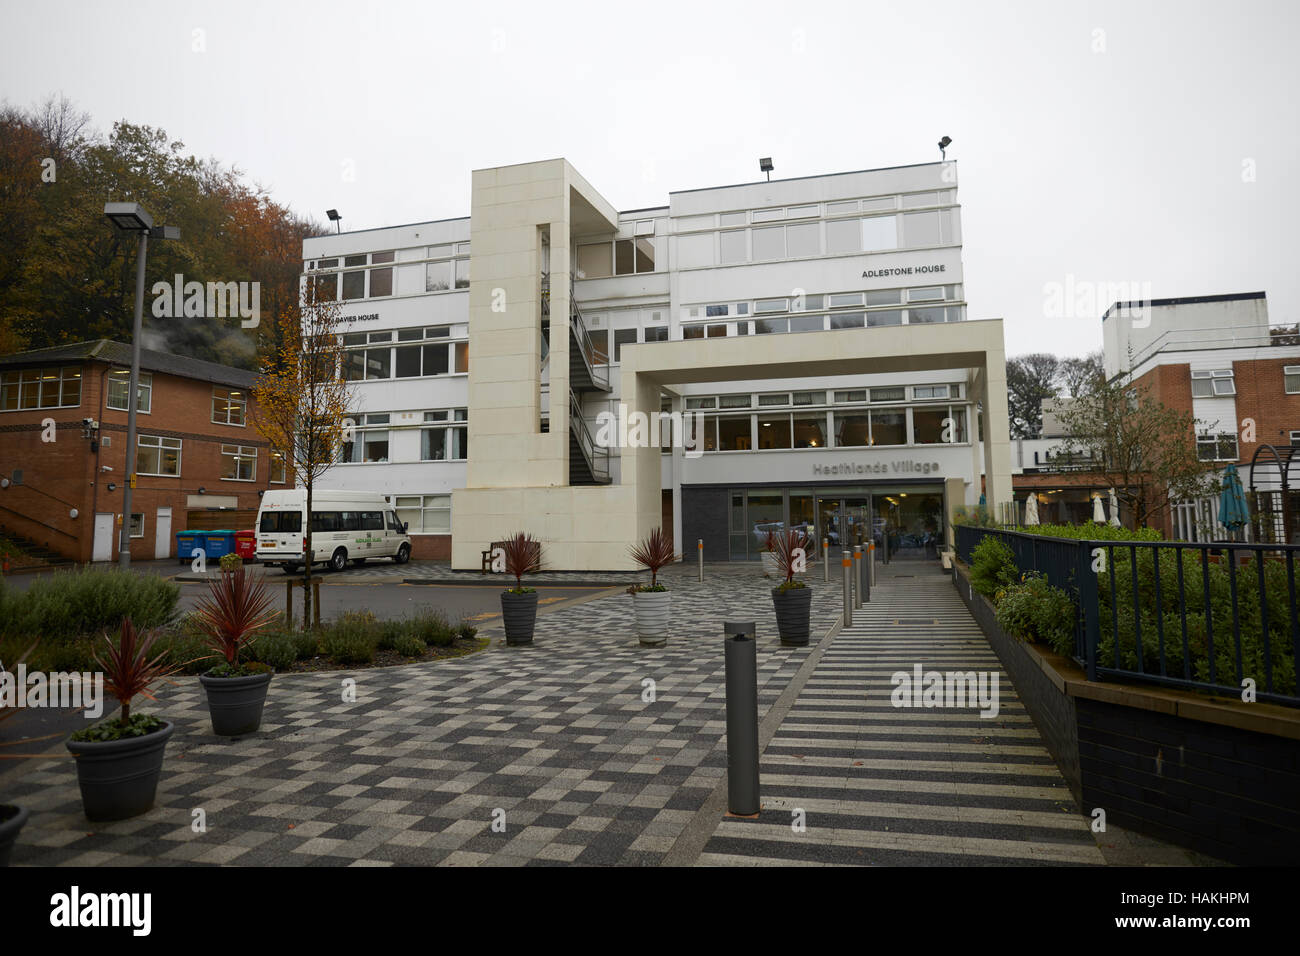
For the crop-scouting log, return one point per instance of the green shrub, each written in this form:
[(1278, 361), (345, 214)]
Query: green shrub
[(408, 645), (391, 632), (1092, 532), (306, 644), (466, 630), (348, 646), (1035, 611), (352, 638), (71, 604), (187, 651), (275, 648), (231, 562), (432, 627), (993, 566)]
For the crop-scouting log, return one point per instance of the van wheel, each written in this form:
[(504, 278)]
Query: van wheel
[(289, 568), (339, 560), (403, 554)]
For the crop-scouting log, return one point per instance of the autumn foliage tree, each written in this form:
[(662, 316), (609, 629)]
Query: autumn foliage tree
[(301, 399)]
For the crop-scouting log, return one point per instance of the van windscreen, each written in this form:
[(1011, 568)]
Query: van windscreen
[(281, 522)]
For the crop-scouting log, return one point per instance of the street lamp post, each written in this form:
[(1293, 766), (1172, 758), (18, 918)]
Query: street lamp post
[(129, 218)]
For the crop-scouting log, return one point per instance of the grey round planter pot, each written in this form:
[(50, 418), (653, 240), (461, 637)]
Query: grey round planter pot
[(652, 612), (519, 614), (793, 606), (119, 778), (11, 821), (235, 703)]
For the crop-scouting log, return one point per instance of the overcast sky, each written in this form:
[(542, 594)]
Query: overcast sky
[(1147, 144)]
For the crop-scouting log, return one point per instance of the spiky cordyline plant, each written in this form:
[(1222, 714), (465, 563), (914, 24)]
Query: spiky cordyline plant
[(523, 555), (786, 545), (129, 670), (236, 607), (654, 553)]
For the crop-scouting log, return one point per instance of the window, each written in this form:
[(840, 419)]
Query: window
[(921, 229), (893, 394), (879, 232), (622, 257), (118, 382), (928, 425), (462, 273), (279, 468), (855, 395), (156, 455), (773, 431), (427, 514), (239, 462), (771, 305), (42, 388), (930, 391), (889, 428), (381, 280), (416, 360), (810, 398), (733, 247), (810, 430), (884, 297), (623, 337), (368, 444), (808, 323), (449, 440), (735, 401), (1291, 377), (656, 333), (846, 300), (1220, 447), (884, 317), (924, 316), (925, 295), (137, 526), (769, 243), (841, 208), (847, 320), (437, 276), (803, 240), (780, 398), (229, 406), (852, 430), (1209, 384), (843, 236), (709, 402), (281, 522), (715, 311), (354, 284), (733, 434), (732, 219)]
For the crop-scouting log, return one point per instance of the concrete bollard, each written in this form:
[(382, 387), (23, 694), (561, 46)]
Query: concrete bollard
[(857, 577), (742, 718)]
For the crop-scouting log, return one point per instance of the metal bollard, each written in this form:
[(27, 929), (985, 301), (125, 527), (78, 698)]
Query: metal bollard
[(864, 578), (742, 718), (826, 560), (857, 576), (848, 589), (871, 563), (699, 548)]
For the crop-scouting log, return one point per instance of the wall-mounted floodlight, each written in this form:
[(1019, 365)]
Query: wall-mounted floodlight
[(943, 146), (335, 218), (765, 166)]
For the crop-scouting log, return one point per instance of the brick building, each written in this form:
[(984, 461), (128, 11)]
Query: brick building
[(200, 463), (1216, 357)]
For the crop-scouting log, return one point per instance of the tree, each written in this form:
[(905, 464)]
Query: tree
[(1030, 380), (1140, 447), (302, 399), (1076, 374)]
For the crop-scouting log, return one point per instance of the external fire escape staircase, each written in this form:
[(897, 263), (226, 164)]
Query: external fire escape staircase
[(588, 372)]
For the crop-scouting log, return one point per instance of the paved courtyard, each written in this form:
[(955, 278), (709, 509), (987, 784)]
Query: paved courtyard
[(565, 749)]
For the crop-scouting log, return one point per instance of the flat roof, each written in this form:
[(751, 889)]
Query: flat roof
[(1186, 300), (795, 179)]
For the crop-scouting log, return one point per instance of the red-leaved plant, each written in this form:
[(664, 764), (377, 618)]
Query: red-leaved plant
[(129, 670), (654, 553), (234, 610), (523, 555), (787, 546)]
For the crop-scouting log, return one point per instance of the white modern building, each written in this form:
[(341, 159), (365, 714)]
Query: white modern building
[(814, 330)]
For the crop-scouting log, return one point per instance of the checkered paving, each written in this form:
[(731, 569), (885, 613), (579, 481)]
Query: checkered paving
[(555, 740)]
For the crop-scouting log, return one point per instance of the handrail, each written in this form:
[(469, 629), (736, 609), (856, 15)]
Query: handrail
[(597, 456), (585, 348), (43, 524)]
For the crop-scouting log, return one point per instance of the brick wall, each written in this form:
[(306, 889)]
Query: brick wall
[(66, 474), (1261, 396)]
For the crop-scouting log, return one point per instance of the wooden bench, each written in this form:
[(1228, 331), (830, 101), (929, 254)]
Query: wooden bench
[(487, 556)]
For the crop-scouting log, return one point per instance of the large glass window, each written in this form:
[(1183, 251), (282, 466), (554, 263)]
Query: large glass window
[(888, 427), (843, 236), (921, 229), (810, 430), (119, 380), (769, 243), (596, 260), (156, 455), (623, 337), (804, 239), (1221, 447), (774, 431), (444, 442), (354, 285), (437, 276), (279, 468), (733, 434), (1291, 378), (1209, 384), (852, 429), (884, 317), (928, 425)]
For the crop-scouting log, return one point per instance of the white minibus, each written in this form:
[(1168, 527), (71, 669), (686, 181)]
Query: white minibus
[(346, 526)]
